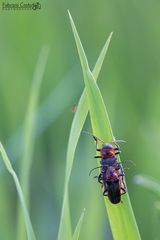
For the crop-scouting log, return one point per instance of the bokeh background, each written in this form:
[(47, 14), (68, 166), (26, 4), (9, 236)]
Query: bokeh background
[(130, 85)]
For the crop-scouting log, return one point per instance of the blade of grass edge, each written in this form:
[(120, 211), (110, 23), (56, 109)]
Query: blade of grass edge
[(78, 227), (28, 139), (76, 127), (121, 217), (28, 225)]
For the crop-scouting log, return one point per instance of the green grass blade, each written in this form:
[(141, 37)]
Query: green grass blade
[(28, 138), (148, 183), (78, 227), (121, 217), (81, 113), (65, 229), (98, 65), (28, 225), (77, 125)]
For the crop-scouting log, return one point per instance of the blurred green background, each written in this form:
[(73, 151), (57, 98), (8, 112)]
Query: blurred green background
[(130, 84)]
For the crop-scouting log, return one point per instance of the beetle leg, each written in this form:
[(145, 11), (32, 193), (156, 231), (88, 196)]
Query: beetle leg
[(117, 149), (97, 157), (96, 140), (124, 190), (105, 193), (100, 178), (123, 187), (118, 152)]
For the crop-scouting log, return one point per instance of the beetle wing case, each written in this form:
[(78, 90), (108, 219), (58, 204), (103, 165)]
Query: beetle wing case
[(114, 192)]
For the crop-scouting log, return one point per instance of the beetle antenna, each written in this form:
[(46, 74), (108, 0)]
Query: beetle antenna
[(118, 141), (95, 138), (114, 141)]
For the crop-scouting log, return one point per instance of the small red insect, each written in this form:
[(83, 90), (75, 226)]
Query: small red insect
[(111, 172)]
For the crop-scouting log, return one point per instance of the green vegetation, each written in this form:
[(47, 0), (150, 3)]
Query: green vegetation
[(121, 217), (48, 150), (29, 229)]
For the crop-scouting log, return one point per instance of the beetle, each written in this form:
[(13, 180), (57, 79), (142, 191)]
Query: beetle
[(111, 172), (113, 184)]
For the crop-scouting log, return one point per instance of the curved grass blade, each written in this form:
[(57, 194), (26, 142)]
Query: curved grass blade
[(28, 138), (121, 217), (78, 227), (28, 225), (77, 125), (148, 183)]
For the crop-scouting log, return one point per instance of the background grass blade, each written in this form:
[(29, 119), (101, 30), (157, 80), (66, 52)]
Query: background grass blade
[(98, 65), (78, 227), (121, 216), (28, 138), (77, 125), (28, 225), (148, 183), (47, 111)]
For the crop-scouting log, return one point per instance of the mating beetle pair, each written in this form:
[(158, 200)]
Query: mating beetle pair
[(111, 172)]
